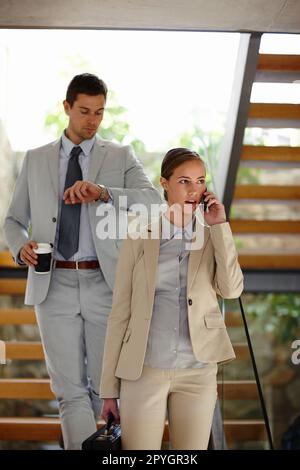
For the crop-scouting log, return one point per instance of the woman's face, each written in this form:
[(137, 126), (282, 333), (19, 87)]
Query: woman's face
[(186, 185)]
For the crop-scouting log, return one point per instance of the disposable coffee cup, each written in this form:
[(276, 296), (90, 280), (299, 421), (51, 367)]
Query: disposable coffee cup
[(44, 252)]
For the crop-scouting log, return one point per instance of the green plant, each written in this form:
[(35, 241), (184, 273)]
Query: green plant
[(278, 314)]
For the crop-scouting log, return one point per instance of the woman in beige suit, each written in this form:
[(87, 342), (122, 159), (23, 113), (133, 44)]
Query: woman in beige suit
[(165, 333)]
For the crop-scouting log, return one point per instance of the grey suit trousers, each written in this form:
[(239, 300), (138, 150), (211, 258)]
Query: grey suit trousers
[(72, 322)]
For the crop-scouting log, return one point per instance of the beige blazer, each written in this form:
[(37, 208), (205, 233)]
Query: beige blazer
[(212, 270)]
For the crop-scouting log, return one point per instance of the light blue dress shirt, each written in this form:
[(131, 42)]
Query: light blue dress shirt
[(169, 343), (86, 250)]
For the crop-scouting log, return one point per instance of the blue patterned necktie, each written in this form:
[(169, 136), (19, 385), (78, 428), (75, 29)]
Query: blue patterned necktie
[(70, 214)]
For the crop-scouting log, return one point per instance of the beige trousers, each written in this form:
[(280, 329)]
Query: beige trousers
[(188, 396)]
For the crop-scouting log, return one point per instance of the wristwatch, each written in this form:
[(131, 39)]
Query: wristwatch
[(102, 192)]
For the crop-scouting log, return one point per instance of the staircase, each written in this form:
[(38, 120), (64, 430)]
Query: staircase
[(265, 215), (43, 428)]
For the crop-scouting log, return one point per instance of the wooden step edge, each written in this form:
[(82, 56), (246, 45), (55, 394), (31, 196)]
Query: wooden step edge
[(17, 316), (24, 350), (39, 389), (278, 62), (49, 429), (264, 226), (274, 261), (273, 192), (12, 286), (7, 261), (270, 153), (33, 350), (284, 111)]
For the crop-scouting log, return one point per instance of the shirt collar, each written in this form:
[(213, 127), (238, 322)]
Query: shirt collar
[(86, 145), (169, 230)]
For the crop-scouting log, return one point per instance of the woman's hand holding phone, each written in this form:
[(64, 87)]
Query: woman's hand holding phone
[(216, 210)]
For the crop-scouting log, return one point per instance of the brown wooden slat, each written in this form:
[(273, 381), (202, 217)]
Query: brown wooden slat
[(241, 351), (24, 350), (279, 62), (233, 319), (244, 430), (48, 429), (12, 286), (40, 389), (273, 154), (256, 191), (6, 260), (26, 389), (24, 316), (237, 390), (265, 226), (30, 429), (274, 111), (17, 316), (276, 261), (33, 350)]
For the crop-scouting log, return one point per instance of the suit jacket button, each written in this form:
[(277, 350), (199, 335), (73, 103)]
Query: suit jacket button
[(190, 302), (53, 219)]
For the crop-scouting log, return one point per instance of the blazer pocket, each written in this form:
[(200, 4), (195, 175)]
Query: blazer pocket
[(127, 335), (214, 320)]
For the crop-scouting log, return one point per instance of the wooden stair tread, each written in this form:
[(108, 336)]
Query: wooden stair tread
[(10, 286), (26, 316), (274, 261), (274, 111), (256, 191), (270, 153), (264, 226), (33, 350), (17, 316), (40, 389), (279, 62), (24, 350), (48, 429)]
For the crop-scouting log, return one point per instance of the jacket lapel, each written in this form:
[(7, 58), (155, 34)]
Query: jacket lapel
[(97, 158), (151, 253), (196, 255), (53, 157)]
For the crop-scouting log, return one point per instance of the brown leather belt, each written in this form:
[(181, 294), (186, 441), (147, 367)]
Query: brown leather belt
[(76, 264)]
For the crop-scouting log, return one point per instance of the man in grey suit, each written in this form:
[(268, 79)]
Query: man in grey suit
[(57, 199)]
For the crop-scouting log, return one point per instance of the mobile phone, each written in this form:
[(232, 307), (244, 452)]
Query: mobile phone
[(204, 202)]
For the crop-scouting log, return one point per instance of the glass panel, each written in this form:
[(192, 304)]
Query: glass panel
[(273, 321), (268, 176), (267, 244), (275, 93), (280, 44), (284, 136)]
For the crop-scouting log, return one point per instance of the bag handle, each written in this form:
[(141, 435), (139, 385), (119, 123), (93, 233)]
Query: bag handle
[(109, 423)]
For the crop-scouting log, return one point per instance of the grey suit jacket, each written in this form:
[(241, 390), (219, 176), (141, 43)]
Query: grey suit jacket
[(35, 203)]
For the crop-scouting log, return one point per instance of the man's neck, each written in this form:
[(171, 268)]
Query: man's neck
[(73, 137)]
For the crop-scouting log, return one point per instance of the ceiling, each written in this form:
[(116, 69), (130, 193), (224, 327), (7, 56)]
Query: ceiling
[(203, 15)]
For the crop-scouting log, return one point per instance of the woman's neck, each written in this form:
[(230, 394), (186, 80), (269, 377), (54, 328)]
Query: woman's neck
[(178, 217)]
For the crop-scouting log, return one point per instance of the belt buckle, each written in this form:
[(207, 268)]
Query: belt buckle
[(77, 267)]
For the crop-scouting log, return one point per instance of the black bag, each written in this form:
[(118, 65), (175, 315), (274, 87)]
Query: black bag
[(106, 438), (291, 437)]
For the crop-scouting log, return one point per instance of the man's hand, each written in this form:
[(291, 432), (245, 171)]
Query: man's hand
[(110, 405), (83, 192), (27, 255)]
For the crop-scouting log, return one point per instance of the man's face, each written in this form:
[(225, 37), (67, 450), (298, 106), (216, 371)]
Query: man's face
[(85, 116)]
